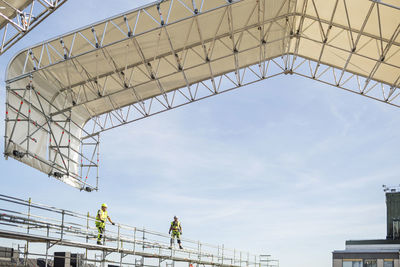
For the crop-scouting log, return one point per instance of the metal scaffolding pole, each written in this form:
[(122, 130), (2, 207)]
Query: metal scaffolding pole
[(58, 228)]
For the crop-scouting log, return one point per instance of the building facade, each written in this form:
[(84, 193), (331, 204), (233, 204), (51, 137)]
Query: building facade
[(379, 252)]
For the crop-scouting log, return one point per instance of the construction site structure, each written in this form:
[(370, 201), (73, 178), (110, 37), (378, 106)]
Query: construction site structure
[(64, 92), (41, 231), (19, 17)]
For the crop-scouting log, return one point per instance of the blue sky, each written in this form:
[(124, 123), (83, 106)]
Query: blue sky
[(287, 166)]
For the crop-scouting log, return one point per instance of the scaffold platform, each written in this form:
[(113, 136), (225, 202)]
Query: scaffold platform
[(38, 225)]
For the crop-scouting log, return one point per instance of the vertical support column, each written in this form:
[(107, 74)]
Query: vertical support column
[(134, 241), (87, 237), (17, 119), (198, 251), (28, 135), (143, 240), (69, 140), (120, 260), (62, 224), (98, 161), (103, 260), (118, 237), (28, 230), (159, 259), (6, 119), (47, 245), (218, 254), (222, 259), (47, 254)]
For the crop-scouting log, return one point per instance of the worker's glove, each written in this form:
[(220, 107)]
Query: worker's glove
[(169, 232), (181, 232), (113, 223)]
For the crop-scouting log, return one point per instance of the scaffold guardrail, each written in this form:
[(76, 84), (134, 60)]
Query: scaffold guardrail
[(37, 223)]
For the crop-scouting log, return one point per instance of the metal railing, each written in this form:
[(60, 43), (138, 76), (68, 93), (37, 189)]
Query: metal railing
[(34, 222)]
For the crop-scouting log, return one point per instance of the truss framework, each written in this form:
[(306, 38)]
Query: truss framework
[(151, 60), (17, 18)]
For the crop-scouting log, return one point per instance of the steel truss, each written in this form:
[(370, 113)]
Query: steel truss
[(18, 21), (36, 223), (297, 27)]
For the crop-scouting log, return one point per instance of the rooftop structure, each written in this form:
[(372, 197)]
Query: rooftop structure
[(64, 92)]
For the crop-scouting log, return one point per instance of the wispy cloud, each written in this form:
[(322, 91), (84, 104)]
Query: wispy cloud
[(286, 166)]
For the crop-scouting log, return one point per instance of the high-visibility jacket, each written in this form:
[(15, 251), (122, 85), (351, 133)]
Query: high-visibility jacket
[(176, 226), (101, 218)]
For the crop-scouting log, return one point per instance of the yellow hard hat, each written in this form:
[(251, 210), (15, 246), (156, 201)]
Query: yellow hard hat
[(104, 205)]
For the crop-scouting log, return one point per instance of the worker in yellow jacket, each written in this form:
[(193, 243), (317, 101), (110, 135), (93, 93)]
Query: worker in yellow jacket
[(101, 217), (176, 230)]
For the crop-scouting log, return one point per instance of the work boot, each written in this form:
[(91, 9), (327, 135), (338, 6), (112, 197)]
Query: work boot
[(180, 246), (99, 243)]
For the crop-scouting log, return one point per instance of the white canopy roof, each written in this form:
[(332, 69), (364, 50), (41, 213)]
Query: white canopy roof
[(157, 49)]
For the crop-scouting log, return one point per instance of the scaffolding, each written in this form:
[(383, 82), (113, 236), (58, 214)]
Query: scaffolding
[(63, 93), (18, 17), (49, 228)]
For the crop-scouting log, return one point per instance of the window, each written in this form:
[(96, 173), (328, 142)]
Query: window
[(388, 263), (369, 263), (353, 263)]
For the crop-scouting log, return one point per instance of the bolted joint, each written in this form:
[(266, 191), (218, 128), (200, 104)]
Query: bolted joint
[(288, 71)]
